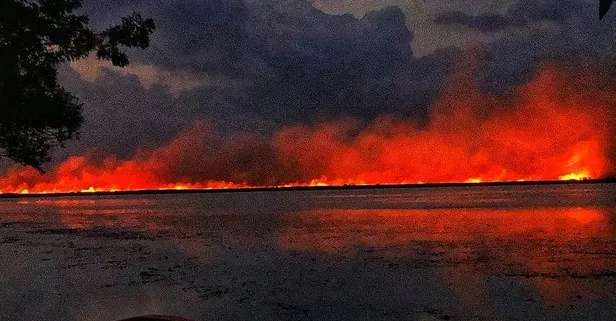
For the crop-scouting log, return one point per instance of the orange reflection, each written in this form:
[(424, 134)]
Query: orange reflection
[(88, 213), (546, 246), (389, 227)]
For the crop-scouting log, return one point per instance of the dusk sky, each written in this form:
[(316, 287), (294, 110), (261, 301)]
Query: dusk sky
[(254, 73)]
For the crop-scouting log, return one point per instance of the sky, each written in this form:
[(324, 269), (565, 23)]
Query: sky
[(257, 65), (252, 68)]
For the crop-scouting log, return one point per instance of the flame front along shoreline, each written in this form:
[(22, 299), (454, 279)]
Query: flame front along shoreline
[(197, 188)]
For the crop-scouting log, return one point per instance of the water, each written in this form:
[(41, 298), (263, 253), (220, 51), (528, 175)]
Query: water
[(459, 253)]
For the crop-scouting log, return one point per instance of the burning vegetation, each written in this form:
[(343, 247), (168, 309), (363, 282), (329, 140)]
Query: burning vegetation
[(556, 126)]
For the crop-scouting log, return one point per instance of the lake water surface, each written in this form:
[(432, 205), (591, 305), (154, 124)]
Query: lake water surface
[(532, 252)]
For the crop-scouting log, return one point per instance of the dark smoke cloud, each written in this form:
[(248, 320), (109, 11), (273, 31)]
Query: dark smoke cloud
[(282, 62), (267, 64), (484, 22), (536, 32)]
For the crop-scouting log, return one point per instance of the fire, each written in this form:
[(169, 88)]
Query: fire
[(574, 176), (555, 127)]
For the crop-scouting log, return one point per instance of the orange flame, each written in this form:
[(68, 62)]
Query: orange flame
[(575, 176), (556, 127)]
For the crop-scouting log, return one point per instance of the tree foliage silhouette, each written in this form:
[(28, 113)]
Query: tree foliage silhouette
[(604, 6), (36, 113)]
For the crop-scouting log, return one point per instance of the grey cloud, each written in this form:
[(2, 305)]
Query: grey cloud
[(484, 22), (522, 13), (286, 62), (536, 32), (121, 114)]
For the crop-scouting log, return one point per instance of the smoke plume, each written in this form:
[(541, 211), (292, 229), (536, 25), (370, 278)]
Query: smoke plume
[(556, 126)]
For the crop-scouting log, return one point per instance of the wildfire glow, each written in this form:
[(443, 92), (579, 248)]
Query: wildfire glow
[(574, 177), (555, 127)]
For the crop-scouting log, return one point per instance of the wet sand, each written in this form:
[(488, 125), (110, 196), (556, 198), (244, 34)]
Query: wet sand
[(455, 253)]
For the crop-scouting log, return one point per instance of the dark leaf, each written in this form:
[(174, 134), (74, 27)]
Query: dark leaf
[(604, 6)]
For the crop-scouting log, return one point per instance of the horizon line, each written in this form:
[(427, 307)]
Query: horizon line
[(303, 188)]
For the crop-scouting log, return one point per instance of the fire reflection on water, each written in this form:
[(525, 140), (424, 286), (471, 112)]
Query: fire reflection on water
[(545, 248), (480, 248)]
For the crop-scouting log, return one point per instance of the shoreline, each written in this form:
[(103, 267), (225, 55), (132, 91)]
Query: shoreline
[(306, 188)]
